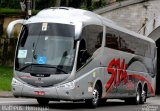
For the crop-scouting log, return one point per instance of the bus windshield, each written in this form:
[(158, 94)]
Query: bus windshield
[(46, 48)]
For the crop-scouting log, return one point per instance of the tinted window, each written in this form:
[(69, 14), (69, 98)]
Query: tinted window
[(111, 41), (92, 35), (52, 29), (91, 40), (127, 43)]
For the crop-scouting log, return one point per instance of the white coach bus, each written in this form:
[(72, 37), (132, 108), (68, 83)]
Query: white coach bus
[(72, 54)]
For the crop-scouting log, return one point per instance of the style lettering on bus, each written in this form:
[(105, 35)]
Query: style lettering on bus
[(118, 70)]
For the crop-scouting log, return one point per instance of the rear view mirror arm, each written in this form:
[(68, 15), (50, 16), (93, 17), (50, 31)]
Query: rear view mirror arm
[(12, 24)]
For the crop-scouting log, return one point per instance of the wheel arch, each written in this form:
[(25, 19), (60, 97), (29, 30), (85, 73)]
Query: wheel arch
[(139, 84), (145, 86)]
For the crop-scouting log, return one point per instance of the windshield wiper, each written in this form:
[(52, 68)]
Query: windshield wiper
[(21, 69), (42, 65), (50, 66)]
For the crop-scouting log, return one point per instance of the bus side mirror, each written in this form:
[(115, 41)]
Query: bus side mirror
[(12, 24)]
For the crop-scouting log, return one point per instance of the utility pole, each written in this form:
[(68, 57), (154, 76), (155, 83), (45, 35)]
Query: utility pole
[(28, 4), (34, 4)]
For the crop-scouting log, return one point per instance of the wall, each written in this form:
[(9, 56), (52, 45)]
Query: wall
[(131, 14)]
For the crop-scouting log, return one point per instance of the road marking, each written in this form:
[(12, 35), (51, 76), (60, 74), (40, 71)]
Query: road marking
[(16, 101), (12, 101)]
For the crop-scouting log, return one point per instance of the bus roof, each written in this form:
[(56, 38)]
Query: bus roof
[(69, 15)]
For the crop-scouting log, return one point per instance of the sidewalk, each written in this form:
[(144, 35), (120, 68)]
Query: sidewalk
[(6, 94)]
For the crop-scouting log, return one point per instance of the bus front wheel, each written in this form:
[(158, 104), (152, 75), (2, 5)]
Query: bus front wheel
[(93, 103)]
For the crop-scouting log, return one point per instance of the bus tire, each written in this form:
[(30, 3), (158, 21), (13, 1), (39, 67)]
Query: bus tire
[(42, 101), (143, 96), (137, 99), (93, 103)]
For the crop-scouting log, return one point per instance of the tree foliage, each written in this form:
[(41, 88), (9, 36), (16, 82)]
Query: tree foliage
[(10, 4), (41, 4)]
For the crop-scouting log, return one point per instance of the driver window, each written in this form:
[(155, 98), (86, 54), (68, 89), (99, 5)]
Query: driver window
[(91, 40), (82, 54)]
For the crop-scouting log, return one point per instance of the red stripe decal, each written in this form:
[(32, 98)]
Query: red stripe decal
[(109, 90), (117, 69), (143, 79)]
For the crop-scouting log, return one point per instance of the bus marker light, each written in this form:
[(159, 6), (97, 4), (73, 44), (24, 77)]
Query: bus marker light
[(94, 74)]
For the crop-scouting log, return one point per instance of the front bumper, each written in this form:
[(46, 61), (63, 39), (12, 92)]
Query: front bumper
[(60, 92)]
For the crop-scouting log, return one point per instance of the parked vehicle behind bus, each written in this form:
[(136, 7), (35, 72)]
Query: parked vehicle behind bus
[(72, 54)]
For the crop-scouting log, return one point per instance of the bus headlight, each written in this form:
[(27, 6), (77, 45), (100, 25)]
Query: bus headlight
[(69, 85), (16, 82)]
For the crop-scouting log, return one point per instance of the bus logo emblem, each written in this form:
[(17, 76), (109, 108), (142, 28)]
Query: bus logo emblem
[(117, 69), (39, 79)]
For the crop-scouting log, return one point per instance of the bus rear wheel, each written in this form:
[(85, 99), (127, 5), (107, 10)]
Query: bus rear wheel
[(42, 101), (137, 99), (143, 96), (93, 103)]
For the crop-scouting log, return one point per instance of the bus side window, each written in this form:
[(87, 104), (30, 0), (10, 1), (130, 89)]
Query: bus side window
[(111, 41), (91, 40), (82, 54), (23, 35), (99, 40)]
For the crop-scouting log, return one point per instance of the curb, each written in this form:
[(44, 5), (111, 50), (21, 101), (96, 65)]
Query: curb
[(6, 94)]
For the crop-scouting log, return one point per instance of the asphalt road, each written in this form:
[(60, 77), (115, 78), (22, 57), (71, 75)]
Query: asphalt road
[(21, 104)]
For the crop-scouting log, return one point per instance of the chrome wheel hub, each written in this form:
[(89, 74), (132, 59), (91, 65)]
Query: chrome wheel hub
[(143, 95), (138, 96), (95, 96)]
